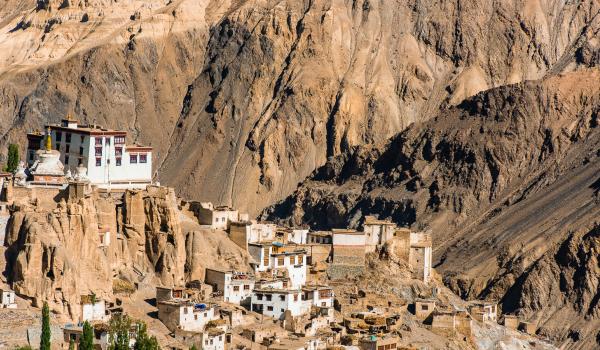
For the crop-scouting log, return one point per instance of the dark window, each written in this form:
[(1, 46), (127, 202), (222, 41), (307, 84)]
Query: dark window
[(68, 137), (98, 151), (58, 136), (259, 296), (118, 151), (67, 160), (282, 297), (424, 307), (108, 141), (268, 297), (118, 161), (133, 158), (143, 158), (236, 288), (68, 148), (82, 138), (80, 151), (98, 161), (269, 308), (99, 141), (246, 287)]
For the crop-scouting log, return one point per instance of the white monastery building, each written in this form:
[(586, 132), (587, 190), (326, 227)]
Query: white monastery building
[(236, 287), (110, 162), (7, 299), (185, 315)]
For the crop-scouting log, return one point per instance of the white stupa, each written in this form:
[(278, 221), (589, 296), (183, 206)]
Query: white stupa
[(48, 167)]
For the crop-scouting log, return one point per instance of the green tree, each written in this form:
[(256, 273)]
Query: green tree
[(143, 340), (118, 336), (86, 342), (71, 344), (194, 347), (13, 158), (45, 337)]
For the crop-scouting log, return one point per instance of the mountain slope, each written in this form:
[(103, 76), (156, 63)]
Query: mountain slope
[(244, 99), (507, 180)]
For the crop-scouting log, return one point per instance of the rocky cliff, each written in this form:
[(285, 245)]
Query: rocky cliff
[(261, 93), (507, 180), (57, 254)]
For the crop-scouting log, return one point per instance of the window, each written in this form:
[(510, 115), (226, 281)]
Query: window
[(133, 158), (67, 160), (259, 296), (280, 260), (98, 161), (236, 288), (143, 158), (295, 297), (68, 137), (58, 136), (118, 151), (98, 151), (269, 296), (196, 317), (282, 297), (118, 161), (68, 149), (211, 342), (205, 314), (107, 141), (206, 342), (82, 138), (424, 307), (185, 310), (282, 310), (98, 141), (119, 139), (220, 338), (80, 151), (246, 287), (269, 308)]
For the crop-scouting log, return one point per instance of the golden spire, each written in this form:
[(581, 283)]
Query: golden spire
[(48, 139)]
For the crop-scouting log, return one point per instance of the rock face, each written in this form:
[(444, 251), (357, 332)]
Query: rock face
[(58, 254), (243, 100), (507, 180)]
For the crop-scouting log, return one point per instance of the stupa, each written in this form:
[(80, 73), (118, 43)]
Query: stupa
[(48, 167)]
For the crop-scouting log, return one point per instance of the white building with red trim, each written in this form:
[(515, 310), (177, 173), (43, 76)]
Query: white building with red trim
[(110, 162)]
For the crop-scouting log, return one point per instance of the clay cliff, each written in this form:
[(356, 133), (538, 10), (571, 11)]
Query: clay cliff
[(242, 100), (507, 180), (57, 253)]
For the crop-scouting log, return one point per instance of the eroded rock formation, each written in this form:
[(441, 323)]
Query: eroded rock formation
[(59, 253)]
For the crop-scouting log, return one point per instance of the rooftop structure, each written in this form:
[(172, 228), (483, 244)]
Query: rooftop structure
[(185, 315), (109, 162)]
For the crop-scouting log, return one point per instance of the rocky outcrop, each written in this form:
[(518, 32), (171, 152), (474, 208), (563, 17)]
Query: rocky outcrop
[(502, 179), (59, 254), (243, 100)]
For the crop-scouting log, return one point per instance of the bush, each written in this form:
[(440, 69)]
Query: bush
[(13, 158)]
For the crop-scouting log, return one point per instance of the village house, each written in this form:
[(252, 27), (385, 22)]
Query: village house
[(311, 323), (511, 322), (218, 218), (186, 315), (236, 287), (377, 232), (261, 252), (93, 309), (244, 232), (484, 311), (424, 308), (348, 251), (109, 161), (274, 303), (262, 332), (319, 237), (297, 235), (320, 296), (296, 344), (166, 293), (210, 339), (101, 339), (527, 327), (290, 264), (373, 342), (7, 299), (451, 321), (420, 257)]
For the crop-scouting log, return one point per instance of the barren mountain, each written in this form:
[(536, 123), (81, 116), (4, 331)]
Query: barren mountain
[(244, 99), (507, 180)]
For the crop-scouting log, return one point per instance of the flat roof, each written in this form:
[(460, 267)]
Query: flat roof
[(95, 130), (276, 290)]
